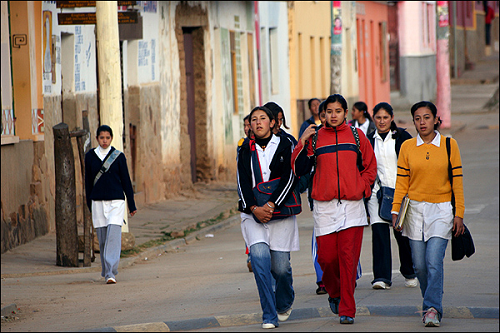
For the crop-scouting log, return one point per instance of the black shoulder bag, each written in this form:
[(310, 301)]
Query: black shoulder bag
[(462, 245), (263, 191)]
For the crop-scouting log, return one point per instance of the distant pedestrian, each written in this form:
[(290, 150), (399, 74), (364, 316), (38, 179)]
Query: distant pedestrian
[(106, 180), (279, 116), (270, 242), (361, 118), (248, 135), (489, 15), (341, 181), (313, 104), (386, 142), (430, 219)]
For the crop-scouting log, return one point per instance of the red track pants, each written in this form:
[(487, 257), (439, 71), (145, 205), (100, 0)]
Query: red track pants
[(338, 256)]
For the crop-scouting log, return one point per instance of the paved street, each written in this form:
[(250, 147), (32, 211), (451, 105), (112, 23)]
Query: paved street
[(209, 278), (206, 285)]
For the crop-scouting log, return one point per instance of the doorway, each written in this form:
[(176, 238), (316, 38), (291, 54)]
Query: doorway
[(196, 103)]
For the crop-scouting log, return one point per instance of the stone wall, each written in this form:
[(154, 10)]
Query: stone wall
[(24, 203)]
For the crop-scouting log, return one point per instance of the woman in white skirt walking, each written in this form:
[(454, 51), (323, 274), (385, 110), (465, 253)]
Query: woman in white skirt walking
[(106, 180)]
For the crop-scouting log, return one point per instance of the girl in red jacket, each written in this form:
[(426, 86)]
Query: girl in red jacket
[(343, 178)]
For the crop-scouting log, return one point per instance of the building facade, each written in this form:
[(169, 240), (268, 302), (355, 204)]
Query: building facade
[(190, 72)]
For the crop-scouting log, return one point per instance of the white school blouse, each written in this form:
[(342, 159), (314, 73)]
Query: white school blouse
[(105, 212), (387, 165), (280, 235)]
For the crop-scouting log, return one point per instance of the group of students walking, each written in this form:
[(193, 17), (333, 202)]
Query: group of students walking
[(343, 166)]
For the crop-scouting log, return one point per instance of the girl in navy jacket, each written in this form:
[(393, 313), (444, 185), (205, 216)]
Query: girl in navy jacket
[(106, 200), (270, 242)]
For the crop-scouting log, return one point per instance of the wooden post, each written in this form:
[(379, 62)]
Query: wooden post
[(108, 55), (81, 136), (65, 205)]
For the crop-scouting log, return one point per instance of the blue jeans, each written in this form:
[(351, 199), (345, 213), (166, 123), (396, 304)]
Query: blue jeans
[(266, 265), (428, 260)]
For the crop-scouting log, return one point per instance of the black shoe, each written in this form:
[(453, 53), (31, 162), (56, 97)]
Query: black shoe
[(346, 320), (321, 288), (334, 304)]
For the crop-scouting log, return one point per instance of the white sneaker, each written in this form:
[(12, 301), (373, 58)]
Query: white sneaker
[(110, 281), (411, 283), (268, 325), (284, 316), (381, 285)]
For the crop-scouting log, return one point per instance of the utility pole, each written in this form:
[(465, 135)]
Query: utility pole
[(108, 55), (443, 98), (336, 48)]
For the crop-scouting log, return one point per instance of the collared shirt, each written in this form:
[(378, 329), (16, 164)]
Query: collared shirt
[(425, 219), (436, 141), (265, 158), (387, 161), (363, 127)]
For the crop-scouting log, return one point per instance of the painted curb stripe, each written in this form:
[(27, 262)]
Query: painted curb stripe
[(462, 312)]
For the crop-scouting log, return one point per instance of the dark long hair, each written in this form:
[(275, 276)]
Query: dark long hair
[(388, 108), (361, 106), (276, 109), (431, 107)]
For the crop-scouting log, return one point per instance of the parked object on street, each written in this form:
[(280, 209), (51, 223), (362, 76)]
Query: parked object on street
[(386, 141), (270, 241), (106, 181), (339, 212), (430, 218)]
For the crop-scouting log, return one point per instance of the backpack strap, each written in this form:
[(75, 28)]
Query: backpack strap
[(359, 161), (450, 173), (315, 157), (107, 163)]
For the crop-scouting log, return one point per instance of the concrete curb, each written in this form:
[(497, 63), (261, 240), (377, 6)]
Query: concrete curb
[(148, 253), (300, 314)]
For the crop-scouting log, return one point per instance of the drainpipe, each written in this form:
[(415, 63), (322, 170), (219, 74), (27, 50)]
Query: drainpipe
[(257, 42), (455, 56)]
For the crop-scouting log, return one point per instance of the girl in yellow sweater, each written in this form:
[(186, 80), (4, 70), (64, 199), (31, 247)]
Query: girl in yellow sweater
[(423, 175)]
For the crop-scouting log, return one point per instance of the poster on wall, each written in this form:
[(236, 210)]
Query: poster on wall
[(336, 28), (48, 56), (442, 9)]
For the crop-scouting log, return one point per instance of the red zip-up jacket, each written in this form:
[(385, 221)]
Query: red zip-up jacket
[(337, 175)]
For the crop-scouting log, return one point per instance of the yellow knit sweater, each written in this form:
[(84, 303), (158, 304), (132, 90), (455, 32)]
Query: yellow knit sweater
[(423, 174)]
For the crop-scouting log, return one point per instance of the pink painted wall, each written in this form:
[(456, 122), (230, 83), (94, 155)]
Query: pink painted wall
[(374, 86), (417, 28)]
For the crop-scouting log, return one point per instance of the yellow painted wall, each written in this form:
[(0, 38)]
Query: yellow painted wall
[(26, 57), (309, 36)]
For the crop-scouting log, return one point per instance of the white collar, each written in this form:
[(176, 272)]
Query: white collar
[(436, 141), (376, 135)]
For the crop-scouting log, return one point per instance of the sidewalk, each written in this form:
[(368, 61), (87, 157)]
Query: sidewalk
[(218, 202)]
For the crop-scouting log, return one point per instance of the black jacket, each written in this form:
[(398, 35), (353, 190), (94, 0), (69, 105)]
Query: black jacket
[(280, 168), (112, 183)]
